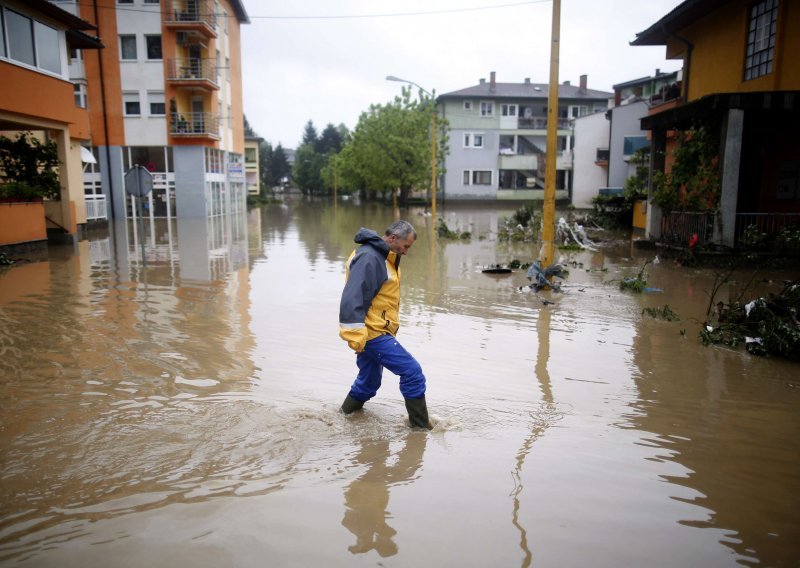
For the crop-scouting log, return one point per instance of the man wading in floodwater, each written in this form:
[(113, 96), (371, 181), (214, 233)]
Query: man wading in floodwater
[(369, 317)]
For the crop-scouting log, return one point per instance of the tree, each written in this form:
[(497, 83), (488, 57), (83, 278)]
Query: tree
[(310, 133), (390, 147), (28, 167), (248, 130), (279, 165), (266, 180), (330, 141)]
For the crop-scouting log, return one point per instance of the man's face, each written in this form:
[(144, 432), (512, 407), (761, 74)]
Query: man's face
[(399, 245)]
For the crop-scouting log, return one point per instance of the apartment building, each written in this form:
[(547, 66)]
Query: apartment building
[(252, 147), (165, 93), (498, 138), (37, 96)]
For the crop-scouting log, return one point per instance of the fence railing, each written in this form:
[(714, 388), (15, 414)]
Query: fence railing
[(192, 69), (189, 11), (194, 124), (96, 207), (764, 226), (679, 227)]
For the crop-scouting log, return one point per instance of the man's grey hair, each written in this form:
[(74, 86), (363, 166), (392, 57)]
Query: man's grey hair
[(402, 229)]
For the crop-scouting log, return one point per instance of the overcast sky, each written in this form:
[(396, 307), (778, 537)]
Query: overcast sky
[(321, 60)]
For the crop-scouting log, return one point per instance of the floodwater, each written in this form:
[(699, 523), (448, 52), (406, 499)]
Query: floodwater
[(184, 413)]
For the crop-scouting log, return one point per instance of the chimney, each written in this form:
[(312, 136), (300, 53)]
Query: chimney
[(492, 83), (566, 83), (658, 71), (527, 80), (584, 79), (482, 81)]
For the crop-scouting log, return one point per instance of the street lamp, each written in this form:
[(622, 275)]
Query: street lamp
[(433, 141)]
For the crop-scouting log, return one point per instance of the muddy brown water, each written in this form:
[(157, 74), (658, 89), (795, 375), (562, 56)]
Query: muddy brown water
[(185, 413)]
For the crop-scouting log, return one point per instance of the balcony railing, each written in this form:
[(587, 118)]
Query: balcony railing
[(192, 71), (194, 125), (540, 123), (96, 207), (190, 14)]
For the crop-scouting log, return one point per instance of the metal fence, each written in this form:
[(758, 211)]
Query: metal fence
[(679, 227), (764, 226)]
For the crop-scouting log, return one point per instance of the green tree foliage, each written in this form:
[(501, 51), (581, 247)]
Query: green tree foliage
[(693, 182), (390, 147), (279, 166), (28, 167), (314, 169), (248, 130)]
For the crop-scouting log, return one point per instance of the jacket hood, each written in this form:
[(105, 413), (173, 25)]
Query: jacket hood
[(370, 237)]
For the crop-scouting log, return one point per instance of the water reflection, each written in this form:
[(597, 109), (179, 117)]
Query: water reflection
[(367, 497), (202, 391)]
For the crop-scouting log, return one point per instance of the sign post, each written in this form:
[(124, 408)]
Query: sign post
[(139, 184)]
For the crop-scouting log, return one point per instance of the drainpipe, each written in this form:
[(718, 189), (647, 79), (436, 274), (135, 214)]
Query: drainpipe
[(105, 117), (687, 61)]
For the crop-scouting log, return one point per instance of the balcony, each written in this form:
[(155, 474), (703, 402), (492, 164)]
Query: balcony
[(194, 125), (519, 162), (540, 123), (193, 73), (190, 16)]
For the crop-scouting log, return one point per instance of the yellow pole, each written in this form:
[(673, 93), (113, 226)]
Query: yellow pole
[(549, 209), (433, 163)]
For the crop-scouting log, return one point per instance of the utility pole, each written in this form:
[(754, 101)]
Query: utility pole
[(549, 209)]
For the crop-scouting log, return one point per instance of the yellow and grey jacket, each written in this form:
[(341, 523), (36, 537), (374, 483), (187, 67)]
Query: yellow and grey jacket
[(370, 305)]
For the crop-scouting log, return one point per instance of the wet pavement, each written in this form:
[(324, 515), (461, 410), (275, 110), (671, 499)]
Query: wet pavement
[(184, 412)]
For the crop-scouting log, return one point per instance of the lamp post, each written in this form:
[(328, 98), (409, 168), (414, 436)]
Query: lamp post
[(433, 141)]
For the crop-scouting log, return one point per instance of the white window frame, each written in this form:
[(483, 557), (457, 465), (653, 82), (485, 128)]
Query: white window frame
[(467, 105), (79, 92), (130, 97), (156, 97), (473, 140), (505, 108), (470, 177), (475, 174), (487, 109), (147, 47), (135, 48)]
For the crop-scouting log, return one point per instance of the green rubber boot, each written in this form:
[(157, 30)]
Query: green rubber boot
[(350, 405), (418, 413)]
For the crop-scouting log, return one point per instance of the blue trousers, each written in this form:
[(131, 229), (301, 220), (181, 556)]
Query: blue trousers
[(385, 351)]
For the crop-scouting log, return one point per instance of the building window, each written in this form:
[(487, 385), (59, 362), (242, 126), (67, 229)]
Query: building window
[(476, 177), (761, 39), (482, 177), (152, 1), (2, 36), (153, 43), (508, 110), (487, 108), (467, 105), (130, 102), (633, 143), (124, 1), (127, 47), (228, 69), (79, 90), (473, 140), (20, 38), (224, 21), (156, 101), (48, 52)]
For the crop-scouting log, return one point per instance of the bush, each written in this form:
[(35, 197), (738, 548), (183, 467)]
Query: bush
[(28, 167)]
